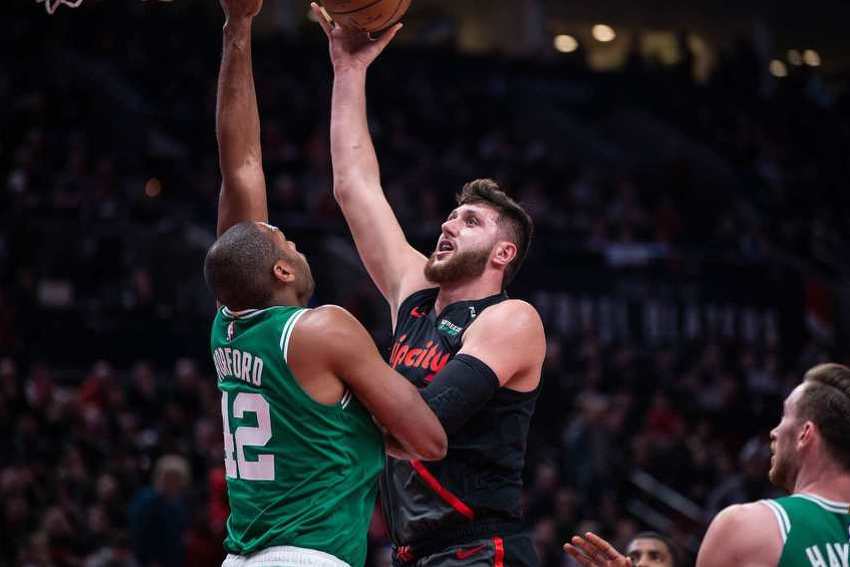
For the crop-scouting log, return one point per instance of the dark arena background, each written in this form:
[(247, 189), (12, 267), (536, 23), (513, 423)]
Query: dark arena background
[(687, 165)]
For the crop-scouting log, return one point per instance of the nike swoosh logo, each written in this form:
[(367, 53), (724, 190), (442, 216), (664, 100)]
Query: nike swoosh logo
[(467, 553), (416, 314)]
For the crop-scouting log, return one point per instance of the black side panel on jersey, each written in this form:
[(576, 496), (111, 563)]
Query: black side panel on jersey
[(479, 481)]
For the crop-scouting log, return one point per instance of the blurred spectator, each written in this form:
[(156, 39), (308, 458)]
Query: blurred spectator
[(159, 516)]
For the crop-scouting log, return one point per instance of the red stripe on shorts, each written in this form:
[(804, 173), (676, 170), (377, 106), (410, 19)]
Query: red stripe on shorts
[(499, 559), (441, 491)]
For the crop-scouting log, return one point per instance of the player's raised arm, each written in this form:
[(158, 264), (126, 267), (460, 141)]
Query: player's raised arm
[(394, 265), (243, 188), (330, 339)]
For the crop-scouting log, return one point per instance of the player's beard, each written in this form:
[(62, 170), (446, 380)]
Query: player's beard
[(784, 469), (462, 266)]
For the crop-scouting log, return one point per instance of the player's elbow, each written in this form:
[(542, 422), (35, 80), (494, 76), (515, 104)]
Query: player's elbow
[(348, 186), (344, 189)]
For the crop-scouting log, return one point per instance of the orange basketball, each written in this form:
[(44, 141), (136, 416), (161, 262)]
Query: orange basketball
[(366, 15)]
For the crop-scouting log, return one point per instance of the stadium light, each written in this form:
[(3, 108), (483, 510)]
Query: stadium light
[(565, 43), (778, 69), (604, 33)]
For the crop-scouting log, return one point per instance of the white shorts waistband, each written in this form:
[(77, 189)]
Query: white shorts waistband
[(285, 556)]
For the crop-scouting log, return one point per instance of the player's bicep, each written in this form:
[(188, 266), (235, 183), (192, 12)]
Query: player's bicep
[(242, 198), (508, 338), (395, 402), (393, 264), (359, 365), (388, 396)]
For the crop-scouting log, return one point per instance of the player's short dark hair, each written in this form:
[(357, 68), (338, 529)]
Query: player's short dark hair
[(515, 219), (826, 403), (674, 552), (239, 267)]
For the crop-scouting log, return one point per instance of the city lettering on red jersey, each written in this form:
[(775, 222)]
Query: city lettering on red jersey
[(428, 357)]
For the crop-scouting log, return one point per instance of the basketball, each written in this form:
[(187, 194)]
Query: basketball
[(366, 15)]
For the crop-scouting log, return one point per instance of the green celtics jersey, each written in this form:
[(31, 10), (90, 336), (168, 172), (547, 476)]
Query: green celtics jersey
[(299, 473), (815, 531)]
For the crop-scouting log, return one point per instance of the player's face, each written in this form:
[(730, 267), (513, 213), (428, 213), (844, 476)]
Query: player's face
[(785, 459), (465, 244), (304, 283), (649, 552)]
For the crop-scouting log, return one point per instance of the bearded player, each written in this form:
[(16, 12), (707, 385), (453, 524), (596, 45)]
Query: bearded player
[(302, 455), (811, 461), (450, 316)]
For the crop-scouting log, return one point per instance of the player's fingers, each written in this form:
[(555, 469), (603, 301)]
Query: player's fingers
[(323, 18), (606, 548), (588, 548), (576, 554), (386, 37)]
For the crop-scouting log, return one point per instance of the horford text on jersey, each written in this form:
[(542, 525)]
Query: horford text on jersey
[(241, 365)]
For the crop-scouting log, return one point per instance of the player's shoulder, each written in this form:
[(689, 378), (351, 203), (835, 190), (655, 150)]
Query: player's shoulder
[(511, 315), (746, 532), (507, 324), (330, 332), (743, 515), (332, 325), (519, 306), (325, 318)]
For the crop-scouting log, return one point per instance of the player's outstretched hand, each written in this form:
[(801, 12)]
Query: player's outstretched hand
[(239, 9), (593, 551), (352, 49)]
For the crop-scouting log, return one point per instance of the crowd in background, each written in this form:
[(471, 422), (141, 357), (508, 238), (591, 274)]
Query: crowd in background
[(127, 463), (110, 452)]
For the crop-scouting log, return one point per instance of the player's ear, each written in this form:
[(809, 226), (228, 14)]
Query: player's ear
[(806, 434), (283, 272), (505, 252)]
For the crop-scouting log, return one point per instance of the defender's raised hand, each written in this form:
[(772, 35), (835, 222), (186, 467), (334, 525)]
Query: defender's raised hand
[(240, 9), (593, 551), (352, 49)]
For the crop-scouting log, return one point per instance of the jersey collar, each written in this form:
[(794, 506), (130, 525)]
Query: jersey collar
[(474, 306), (244, 314), (830, 505)]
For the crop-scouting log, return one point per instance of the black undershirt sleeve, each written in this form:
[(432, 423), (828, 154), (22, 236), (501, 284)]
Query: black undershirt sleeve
[(459, 390)]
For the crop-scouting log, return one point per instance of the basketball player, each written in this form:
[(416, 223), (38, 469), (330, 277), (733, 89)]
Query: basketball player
[(811, 460), (302, 456), (450, 316)]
